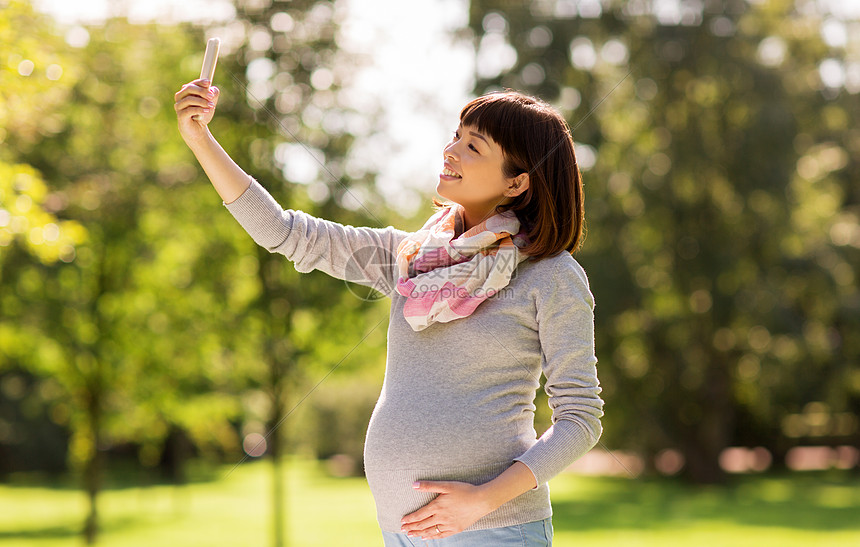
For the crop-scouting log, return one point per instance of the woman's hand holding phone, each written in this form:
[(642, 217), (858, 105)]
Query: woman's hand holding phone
[(195, 102), (195, 106)]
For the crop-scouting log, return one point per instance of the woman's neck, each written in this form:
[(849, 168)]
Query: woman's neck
[(472, 217)]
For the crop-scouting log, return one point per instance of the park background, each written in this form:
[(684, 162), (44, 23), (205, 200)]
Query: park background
[(162, 379)]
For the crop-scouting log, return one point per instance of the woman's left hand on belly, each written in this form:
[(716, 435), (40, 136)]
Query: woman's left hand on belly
[(458, 506)]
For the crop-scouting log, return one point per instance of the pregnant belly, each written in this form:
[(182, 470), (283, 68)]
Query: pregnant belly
[(443, 433)]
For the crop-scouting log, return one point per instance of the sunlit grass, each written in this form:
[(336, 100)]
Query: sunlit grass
[(231, 510), (221, 509), (800, 509)]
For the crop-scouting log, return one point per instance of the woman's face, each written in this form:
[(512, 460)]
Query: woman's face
[(472, 173)]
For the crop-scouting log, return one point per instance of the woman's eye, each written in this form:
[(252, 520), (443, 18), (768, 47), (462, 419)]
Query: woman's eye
[(471, 146)]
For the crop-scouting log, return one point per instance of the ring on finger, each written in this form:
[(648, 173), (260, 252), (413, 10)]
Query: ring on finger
[(438, 531)]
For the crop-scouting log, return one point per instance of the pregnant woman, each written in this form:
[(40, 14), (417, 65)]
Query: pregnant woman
[(485, 298)]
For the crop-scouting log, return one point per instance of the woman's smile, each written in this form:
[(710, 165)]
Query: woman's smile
[(449, 173)]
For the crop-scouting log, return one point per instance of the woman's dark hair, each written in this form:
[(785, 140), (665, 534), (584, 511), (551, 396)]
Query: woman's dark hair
[(535, 139)]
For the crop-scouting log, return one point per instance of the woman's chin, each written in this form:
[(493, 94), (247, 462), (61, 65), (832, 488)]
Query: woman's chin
[(443, 190)]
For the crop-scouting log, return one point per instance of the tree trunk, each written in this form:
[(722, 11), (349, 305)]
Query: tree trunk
[(174, 455), (707, 439), (278, 501), (278, 490), (93, 467)]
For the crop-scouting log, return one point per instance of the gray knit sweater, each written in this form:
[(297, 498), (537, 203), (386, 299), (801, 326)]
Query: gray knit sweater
[(457, 402)]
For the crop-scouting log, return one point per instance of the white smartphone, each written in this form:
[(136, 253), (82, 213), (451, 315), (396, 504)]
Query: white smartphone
[(210, 59)]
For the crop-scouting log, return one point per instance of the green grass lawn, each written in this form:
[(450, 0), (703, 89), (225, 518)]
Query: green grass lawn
[(233, 510)]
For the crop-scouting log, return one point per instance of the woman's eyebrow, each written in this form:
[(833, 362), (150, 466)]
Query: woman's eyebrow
[(480, 137)]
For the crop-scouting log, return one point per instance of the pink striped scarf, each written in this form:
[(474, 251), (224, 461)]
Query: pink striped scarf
[(445, 278)]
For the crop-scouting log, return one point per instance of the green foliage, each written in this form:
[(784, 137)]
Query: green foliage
[(27, 219), (33, 84), (95, 311)]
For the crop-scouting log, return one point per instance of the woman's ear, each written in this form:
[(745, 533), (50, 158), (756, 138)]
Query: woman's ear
[(518, 185)]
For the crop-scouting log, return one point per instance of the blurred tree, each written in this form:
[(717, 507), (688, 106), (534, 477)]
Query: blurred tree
[(95, 329), (32, 86), (156, 323), (719, 162), (141, 336)]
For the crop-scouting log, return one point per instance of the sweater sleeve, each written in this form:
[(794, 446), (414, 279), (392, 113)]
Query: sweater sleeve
[(361, 255), (565, 313)]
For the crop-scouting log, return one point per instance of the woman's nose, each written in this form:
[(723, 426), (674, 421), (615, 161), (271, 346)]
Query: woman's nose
[(449, 151)]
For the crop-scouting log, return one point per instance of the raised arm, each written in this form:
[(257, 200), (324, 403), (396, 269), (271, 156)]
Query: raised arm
[(361, 255), (195, 106)]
